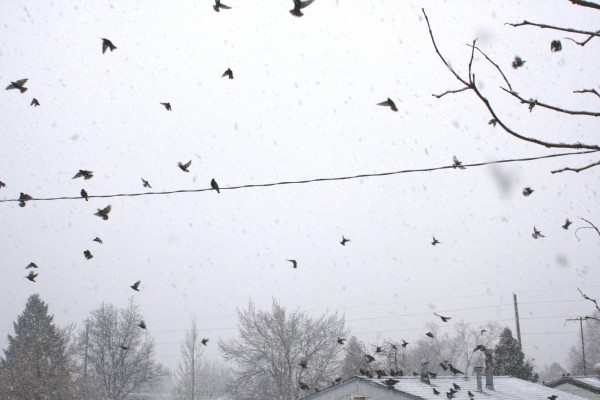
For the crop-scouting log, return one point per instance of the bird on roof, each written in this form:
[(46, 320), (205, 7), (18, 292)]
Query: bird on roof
[(204, 341), (344, 241), (552, 397), (228, 72), (107, 44), (456, 386), (294, 263), (337, 380), (435, 391), (444, 319), (302, 385), (23, 199), (84, 173), (432, 374), (167, 106), (218, 5), (456, 163), (341, 340), (429, 334), (471, 395), (215, 185), (88, 254), (527, 191), (536, 234), (479, 347), (390, 382), (84, 194), (31, 276), (388, 103), (35, 102), (31, 265), (97, 239), (135, 286), (20, 84), (142, 324), (454, 370), (566, 224), (298, 6), (435, 241), (518, 62), (184, 167), (103, 212), (146, 183), (555, 46)]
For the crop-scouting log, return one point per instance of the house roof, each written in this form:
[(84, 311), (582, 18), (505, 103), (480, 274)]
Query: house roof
[(585, 382), (506, 388)]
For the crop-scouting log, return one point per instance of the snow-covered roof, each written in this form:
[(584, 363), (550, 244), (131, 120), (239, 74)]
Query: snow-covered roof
[(590, 383), (506, 388)]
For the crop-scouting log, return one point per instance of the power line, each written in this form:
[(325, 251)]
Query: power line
[(340, 178)]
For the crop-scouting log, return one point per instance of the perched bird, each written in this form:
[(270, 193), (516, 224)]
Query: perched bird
[(31, 265), (415, 373), (204, 341), (492, 122), (298, 6), (135, 286), (2, 184), (123, 347), (456, 163), (404, 343), (435, 391), (552, 397), (146, 183), (97, 239), (369, 358), (444, 365), (88, 254), (450, 395), (167, 106), (435, 241), (303, 363), (452, 390), (555, 46), (483, 331), (388, 103), (228, 73), (31, 276), (517, 62), (429, 334), (84, 173), (456, 386), (338, 380), (214, 185), (432, 374), (567, 224), (527, 191), (107, 44), (294, 263), (344, 241), (20, 84), (445, 319), (84, 194), (479, 347), (380, 373), (341, 340), (390, 382), (184, 167), (23, 199), (536, 234), (471, 395), (454, 370), (103, 213), (35, 102), (302, 385), (377, 349), (217, 7), (142, 324)]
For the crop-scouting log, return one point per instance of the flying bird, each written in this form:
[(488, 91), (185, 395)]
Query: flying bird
[(429, 334), (388, 103), (88, 254), (454, 370), (2, 184), (167, 106), (135, 286), (184, 167), (228, 73), (337, 380), (214, 185), (31, 265), (536, 234), (341, 340), (555, 46), (404, 343), (435, 241), (435, 391), (35, 102), (217, 7), (204, 341), (103, 212), (294, 263), (23, 199), (456, 163), (527, 191), (84, 194), (517, 62), (344, 241), (142, 324), (445, 319), (298, 6), (479, 347), (567, 224), (303, 363), (107, 44), (84, 173), (146, 183), (20, 84), (444, 365), (97, 239), (31, 276), (492, 122)]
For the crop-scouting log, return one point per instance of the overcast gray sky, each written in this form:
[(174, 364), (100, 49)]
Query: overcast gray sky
[(301, 106)]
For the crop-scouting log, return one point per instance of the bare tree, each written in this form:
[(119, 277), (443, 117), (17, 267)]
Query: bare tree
[(278, 353), (117, 353), (188, 371), (215, 380)]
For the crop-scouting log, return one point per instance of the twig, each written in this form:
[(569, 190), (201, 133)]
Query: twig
[(576, 169), (582, 43), (550, 107), (589, 298), (584, 3), (556, 28), (592, 226), (450, 91), (587, 91), (497, 67)]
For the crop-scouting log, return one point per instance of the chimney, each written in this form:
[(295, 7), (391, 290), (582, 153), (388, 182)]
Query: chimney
[(489, 370), (425, 372), (478, 369)]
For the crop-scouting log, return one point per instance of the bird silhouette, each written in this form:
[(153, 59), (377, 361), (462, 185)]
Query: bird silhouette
[(84, 173), (492, 122), (450, 395), (471, 395), (555, 46), (454, 370), (445, 319), (527, 191), (456, 386), (479, 347), (88, 254), (536, 234), (107, 44), (31, 265), (567, 224), (517, 62), (404, 343), (344, 241), (123, 347), (456, 163), (20, 84), (184, 167), (444, 365), (337, 380), (35, 102), (341, 340), (97, 239), (390, 382), (435, 241), (31, 276), (552, 397), (430, 335), (135, 286), (435, 391), (483, 331), (217, 7), (369, 358), (2, 184), (298, 6), (432, 374), (23, 199), (228, 73), (214, 185), (303, 363), (142, 324), (294, 263), (388, 103), (103, 212), (146, 183), (302, 385), (377, 349), (167, 106), (204, 341)]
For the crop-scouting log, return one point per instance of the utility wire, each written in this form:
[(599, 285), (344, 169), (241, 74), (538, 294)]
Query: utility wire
[(340, 178)]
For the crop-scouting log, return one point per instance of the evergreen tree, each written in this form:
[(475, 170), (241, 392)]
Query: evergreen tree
[(354, 359), (509, 359), (36, 364)]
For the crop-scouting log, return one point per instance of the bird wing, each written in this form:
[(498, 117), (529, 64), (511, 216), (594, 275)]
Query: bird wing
[(78, 175), (104, 46), (21, 82), (107, 209), (384, 103), (135, 285), (304, 3), (26, 197), (224, 6), (187, 164)]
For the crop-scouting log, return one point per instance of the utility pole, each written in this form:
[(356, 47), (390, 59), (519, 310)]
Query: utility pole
[(580, 319), (517, 321)]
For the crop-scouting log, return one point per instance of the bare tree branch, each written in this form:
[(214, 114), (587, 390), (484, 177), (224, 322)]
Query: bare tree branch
[(497, 67), (592, 226), (550, 107), (584, 3), (556, 28), (584, 42), (592, 300), (576, 169), (587, 91), (451, 91)]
